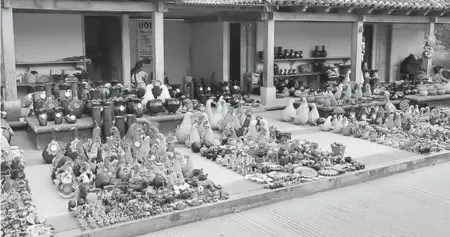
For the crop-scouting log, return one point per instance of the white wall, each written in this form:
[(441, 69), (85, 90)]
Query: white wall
[(206, 50), (47, 37), (406, 39)]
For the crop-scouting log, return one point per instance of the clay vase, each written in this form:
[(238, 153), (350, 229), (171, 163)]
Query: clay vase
[(58, 115), (42, 119), (108, 111), (131, 118), (97, 113), (50, 102), (316, 52), (138, 109), (76, 106), (156, 90), (119, 122), (172, 105), (119, 107), (323, 52)]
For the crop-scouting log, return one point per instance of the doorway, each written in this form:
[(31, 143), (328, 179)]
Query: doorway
[(368, 41), (235, 53), (103, 44)]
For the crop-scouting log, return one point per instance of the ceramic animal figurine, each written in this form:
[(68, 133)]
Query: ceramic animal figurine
[(288, 114), (184, 128), (313, 115)]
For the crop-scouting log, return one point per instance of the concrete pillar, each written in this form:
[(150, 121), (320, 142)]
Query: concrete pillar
[(268, 92), (8, 52), (126, 51), (158, 45), (428, 62), (356, 49), (226, 51)]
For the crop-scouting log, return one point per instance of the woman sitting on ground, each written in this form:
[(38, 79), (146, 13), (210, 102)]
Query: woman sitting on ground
[(437, 77), (138, 76)]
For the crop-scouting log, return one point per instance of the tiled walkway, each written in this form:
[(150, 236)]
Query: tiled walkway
[(406, 205)]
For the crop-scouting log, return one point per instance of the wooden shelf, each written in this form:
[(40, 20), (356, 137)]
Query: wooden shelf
[(51, 62), (300, 74), (309, 59)]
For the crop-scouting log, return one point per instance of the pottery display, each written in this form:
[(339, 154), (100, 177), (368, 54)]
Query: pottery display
[(172, 105), (50, 102), (155, 106), (316, 52), (75, 105), (323, 52)]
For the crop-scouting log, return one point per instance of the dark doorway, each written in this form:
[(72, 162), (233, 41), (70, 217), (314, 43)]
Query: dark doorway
[(368, 37), (235, 53), (103, 44)]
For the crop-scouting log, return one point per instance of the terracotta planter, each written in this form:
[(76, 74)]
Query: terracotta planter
[(172, 105), (155, 106), (107, 119), (119, 122)]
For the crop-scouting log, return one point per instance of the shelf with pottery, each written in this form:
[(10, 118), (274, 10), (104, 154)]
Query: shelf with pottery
[(292, 60), (300, 74)]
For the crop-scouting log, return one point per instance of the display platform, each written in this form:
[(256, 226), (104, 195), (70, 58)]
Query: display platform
[(42, 135), (431, 100), (380, 161)]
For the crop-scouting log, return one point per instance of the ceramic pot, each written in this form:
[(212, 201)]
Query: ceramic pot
[(138, 109), (291, 54), (131, 118), (155, 106), (58, 115), (316, 52), (76, 106), (432, 91), (42, 119), (156, 90), (119, 122), (320, 100), (38, 98), (50, 102), (172, 105), (97, 114), (94, 94), (323, 52), (297, 103), (104, 93), (286, 53), (119, 107), (130, 100), (108, 111), (114, 92), (441, 91), (423, 92)]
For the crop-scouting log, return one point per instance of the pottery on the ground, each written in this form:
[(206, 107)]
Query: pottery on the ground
[(172, 105), (155, 106)]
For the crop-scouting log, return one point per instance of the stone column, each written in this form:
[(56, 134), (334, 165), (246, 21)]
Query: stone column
[(126, 52), (356, 49), (158, 45), (268, 92)]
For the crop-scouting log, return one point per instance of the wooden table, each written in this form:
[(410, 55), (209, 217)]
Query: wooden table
[(431, 100)]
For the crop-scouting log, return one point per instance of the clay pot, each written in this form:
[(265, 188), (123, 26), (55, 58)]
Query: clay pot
[(94, 94), (76, 106), (119, 107), (58, 117), (155, 106), (156, 90), (108, 111), (441, 91), (423, 92), (432, 91), (97, 113), (131, 118), (114, 92), (42, 119), (172, 105), (119, 122), (104, 93), (297, 103)]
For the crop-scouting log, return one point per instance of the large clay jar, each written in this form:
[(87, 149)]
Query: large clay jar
[(131, 118), (155, 106), (97, 112), (130, 101), (50, 102), (108, 115), (119, 122), (38, 98), (76, 106)]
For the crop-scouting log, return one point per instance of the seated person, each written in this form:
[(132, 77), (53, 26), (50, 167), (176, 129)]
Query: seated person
[(437, 77), (138, 76)]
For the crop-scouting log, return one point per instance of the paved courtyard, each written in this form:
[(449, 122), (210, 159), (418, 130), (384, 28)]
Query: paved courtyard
[(413, 204)]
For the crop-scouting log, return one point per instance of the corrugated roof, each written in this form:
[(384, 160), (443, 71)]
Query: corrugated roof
[(375, 4), (415, 5)]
